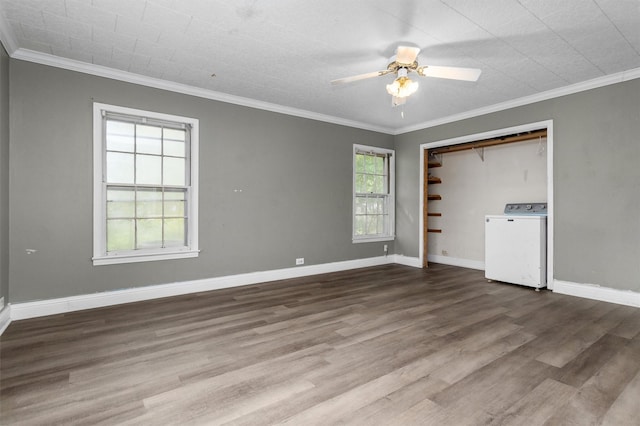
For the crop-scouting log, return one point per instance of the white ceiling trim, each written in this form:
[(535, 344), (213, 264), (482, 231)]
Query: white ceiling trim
[(129, 77), (523, 48), (101, 71), (542, 96)]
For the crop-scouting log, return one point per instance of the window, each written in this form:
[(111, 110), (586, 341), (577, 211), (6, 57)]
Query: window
[(145, 185), (373, 194)]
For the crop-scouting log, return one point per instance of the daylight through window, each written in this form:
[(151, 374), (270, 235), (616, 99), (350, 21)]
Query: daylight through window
[(373, 188), (146, 188)]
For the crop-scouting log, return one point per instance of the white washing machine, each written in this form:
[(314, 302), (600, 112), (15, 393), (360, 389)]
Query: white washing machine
[(516, 245)]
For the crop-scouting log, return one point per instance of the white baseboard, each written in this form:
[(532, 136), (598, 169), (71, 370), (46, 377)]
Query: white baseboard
[(596, 292), (454, 261), (97, 300), (401, 259), (5, 318), (40, 308)]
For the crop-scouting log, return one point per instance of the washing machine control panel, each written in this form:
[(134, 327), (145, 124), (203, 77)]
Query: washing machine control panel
[(537, 209)]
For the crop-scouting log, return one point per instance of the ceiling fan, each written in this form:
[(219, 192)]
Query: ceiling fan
[(405, 62)]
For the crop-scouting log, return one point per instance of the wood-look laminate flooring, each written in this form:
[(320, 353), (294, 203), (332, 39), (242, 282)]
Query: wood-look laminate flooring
[(389, 345)]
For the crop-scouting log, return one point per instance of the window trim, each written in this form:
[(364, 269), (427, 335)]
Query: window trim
[(356, 239), (100, 256)]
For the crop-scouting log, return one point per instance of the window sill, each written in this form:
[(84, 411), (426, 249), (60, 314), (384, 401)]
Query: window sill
[(372, 239), (150, 257)]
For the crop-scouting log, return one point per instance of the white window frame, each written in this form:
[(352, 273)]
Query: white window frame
[(100, 255), (390, 225)]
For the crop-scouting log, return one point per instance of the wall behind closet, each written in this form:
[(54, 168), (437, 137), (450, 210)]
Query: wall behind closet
[(472, 188)]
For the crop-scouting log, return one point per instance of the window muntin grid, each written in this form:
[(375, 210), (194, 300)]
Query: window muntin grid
[(147, 182), (373, 198), (146, 177), (145, 185)]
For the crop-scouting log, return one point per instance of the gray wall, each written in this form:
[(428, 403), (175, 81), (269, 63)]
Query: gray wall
[(277, 218), (596, 188), (4, 175), (295, 176)]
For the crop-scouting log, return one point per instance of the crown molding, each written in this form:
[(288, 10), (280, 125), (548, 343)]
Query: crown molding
[(101, 71), (526, 100), (129, 77)]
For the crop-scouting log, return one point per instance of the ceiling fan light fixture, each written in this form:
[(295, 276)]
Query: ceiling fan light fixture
[(402, 87), (405, 61)]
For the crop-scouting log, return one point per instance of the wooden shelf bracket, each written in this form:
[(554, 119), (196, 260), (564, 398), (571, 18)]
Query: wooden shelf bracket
[(541, 147), (479, 151), (437, 157)]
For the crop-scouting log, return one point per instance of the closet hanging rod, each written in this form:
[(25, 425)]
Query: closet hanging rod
[(519, 137)]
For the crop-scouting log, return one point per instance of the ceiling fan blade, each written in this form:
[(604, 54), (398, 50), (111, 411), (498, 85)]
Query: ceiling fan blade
[(454, 73), (407, 55), (360, 77)]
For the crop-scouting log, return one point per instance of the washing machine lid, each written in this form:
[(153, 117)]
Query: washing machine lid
[(520, 209)]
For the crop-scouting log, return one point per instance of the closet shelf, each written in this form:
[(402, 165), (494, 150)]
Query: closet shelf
[(433, 165), (434, 214), (435, 231)]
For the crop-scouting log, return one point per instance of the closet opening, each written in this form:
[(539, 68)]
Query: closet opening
[(465, 178)]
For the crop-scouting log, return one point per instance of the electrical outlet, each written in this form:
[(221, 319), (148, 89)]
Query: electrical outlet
[(386, 248), (1, 302), (445, 253), (300, 261)]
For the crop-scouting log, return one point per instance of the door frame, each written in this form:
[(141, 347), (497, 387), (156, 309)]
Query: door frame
[(546, 124)]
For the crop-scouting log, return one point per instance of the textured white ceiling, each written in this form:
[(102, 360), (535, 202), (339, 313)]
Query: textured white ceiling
[(285, 52)]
